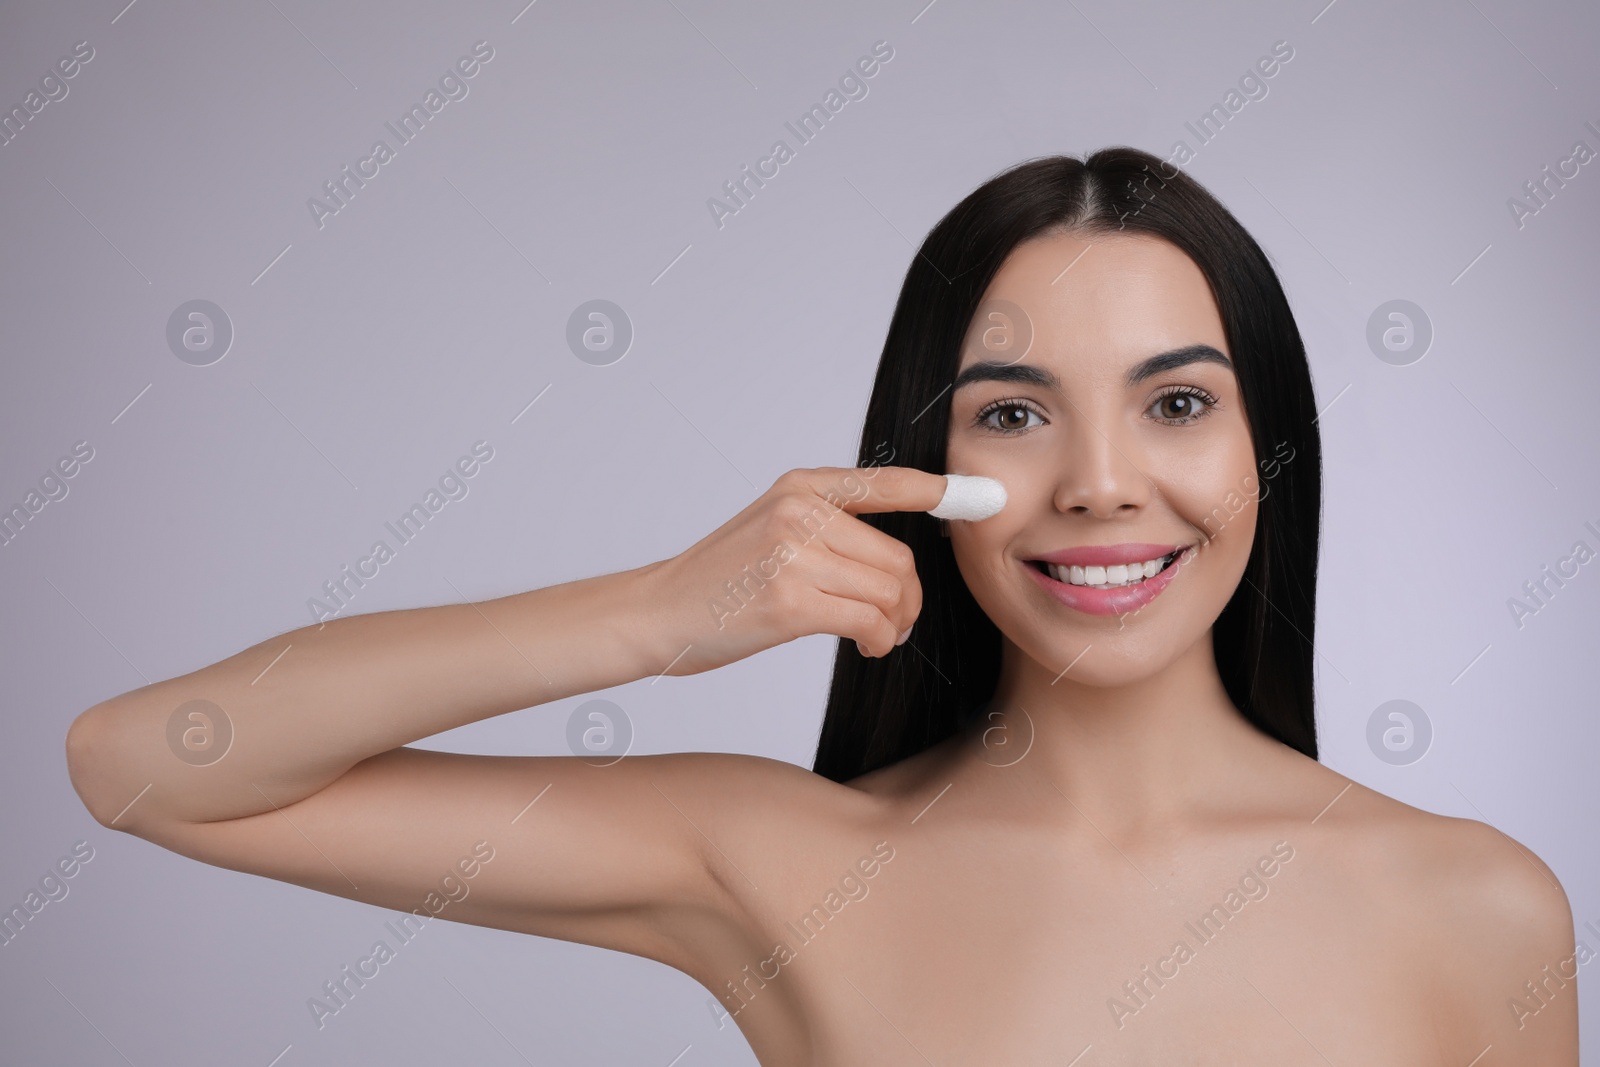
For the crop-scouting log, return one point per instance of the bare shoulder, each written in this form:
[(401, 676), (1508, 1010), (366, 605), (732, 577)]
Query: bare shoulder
[(1487, 881), (1482, 914), (1484, 874), (1466, 872), (1476, 876)]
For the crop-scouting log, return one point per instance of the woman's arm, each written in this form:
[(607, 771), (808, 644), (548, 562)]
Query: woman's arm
[(306, 706), (315, 785)]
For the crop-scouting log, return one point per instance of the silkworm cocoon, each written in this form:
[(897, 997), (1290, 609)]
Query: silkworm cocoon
[(971, 497)]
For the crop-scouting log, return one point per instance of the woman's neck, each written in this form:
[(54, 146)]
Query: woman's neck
[(1152, 755)]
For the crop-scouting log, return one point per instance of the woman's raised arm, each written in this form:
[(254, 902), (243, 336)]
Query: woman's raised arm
[(275, 723), (287, 759)]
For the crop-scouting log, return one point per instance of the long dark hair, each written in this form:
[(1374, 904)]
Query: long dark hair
[(881, 711)]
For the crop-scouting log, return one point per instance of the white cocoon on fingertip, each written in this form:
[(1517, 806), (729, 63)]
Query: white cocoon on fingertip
[(970, 497)]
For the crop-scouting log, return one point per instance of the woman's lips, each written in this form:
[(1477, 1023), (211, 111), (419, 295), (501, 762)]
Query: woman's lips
[(1118, 601)]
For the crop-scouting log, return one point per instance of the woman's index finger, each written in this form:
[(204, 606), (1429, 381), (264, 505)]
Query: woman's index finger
[(888, 488)]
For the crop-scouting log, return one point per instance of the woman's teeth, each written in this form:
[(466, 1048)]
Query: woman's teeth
[(1108, 577)]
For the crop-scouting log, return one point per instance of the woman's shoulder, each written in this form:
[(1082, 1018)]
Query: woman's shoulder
[(1460, 863), (1476, 925), (1487, 909)]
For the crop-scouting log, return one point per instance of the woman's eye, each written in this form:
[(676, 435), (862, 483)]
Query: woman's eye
[(1183, 405), (1176, 407), (1010, 417)]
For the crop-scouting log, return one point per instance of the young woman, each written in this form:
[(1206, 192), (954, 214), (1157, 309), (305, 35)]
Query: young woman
[(1066, 805)]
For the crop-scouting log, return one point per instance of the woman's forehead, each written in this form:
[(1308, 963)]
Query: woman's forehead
[(1102, 273), (1104, 302)]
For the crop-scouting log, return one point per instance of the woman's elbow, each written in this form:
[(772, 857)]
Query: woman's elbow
[(86, 765)]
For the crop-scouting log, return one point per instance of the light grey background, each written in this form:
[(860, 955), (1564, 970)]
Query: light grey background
[(370, 353)]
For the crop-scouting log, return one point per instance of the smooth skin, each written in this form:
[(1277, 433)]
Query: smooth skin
[(992, 897)]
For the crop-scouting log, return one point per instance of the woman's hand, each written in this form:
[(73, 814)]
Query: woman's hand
[(795, 562)]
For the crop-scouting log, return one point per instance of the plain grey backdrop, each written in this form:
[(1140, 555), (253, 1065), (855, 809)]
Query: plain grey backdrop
[(363, 350)]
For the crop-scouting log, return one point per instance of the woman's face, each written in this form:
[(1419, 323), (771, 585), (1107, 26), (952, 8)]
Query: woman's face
[(1091, 458)]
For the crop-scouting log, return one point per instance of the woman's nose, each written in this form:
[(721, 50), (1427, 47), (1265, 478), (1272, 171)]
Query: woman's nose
[(1100, 470)]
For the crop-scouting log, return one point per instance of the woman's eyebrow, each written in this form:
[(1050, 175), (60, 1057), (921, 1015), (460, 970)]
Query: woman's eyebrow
[(1178, 357), (1028, 374)]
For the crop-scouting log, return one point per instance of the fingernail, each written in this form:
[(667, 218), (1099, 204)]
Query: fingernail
[(860, 649), (902, 638)]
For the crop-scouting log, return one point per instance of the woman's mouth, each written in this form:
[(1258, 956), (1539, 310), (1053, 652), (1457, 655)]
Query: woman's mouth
[(1109, 590), (1115, 576)]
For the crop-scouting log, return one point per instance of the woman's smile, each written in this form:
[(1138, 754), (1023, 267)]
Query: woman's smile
[(1140, 574)]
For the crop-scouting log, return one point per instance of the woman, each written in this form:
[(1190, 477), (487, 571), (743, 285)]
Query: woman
[(1066, 804)]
